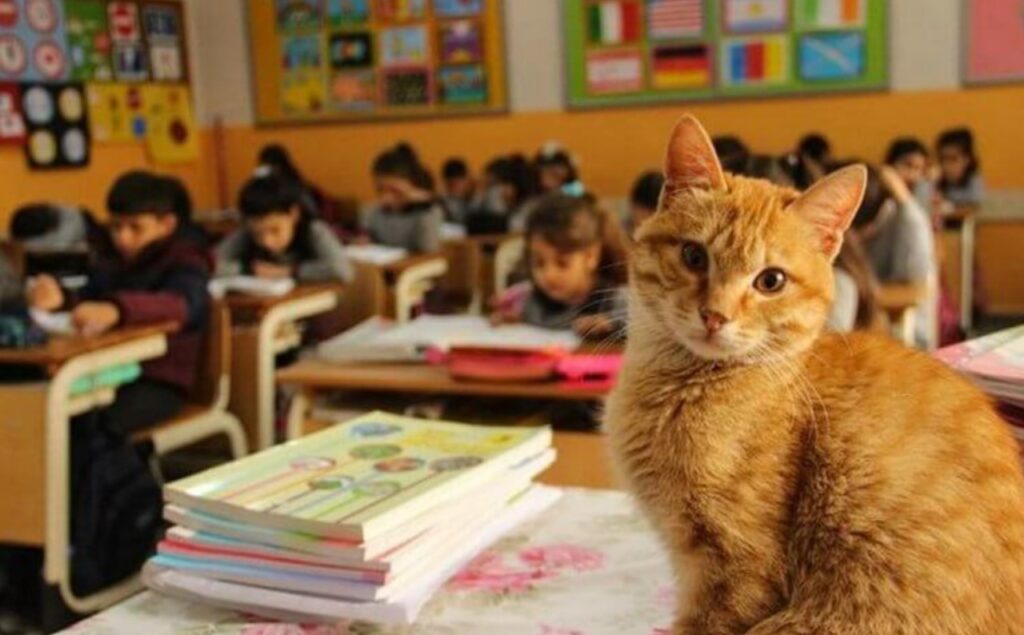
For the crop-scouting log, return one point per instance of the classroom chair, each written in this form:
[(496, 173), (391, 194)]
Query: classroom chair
[(207, 416), (413, 284), (507, 258)]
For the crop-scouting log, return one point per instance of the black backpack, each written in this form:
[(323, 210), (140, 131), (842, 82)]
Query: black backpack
[(115, 507)]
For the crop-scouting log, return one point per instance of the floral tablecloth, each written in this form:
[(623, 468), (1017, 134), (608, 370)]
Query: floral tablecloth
[(589, 565)]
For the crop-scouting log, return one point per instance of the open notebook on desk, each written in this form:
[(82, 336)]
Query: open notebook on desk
[(380, 255), (251, 285), (381, 340)]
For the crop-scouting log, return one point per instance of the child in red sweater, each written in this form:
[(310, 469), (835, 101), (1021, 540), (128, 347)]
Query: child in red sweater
[(148, 274)]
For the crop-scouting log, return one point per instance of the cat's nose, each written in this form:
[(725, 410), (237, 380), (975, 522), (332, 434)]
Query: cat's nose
[(713, 320)]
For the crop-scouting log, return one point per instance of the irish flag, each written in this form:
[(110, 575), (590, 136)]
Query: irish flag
[(614, 22), (833, 13)]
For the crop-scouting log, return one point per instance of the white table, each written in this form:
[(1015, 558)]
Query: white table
[(589, 565)]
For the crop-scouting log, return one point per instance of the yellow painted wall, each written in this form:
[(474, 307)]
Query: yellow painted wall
[(88, 186), (615, 145)]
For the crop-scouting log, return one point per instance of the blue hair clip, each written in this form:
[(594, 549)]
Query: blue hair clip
[(574, 188)]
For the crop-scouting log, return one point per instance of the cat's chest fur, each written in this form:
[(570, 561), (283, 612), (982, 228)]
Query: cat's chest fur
[(711, 458)]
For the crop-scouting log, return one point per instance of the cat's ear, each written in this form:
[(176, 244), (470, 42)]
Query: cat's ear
[(690, 161), (830, 205)]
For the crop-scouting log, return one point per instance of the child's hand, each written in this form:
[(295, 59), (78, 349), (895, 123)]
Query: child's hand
[(505, 310), (593, 326), (269, 270), (95, 318), (44, 293)]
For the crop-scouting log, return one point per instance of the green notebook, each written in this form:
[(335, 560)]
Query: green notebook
[(359, 479)]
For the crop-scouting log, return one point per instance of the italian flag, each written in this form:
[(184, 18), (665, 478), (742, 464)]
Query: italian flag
[(833, 12), (614, 22)]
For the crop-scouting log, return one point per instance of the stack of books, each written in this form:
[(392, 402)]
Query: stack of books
[(996, 364), (362, 521)]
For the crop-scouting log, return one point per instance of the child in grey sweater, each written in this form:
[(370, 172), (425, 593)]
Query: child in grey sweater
[(280, 239), (410, 215)]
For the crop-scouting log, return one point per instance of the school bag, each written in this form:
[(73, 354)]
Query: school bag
[(116, 507)]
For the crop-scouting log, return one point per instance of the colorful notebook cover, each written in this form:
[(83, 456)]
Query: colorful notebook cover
[(396, 553), (359, 479), (305, 608)]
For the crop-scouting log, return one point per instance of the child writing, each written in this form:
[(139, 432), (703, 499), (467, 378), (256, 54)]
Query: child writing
[(459, 190), (909, 158), (505, 202), (577, 263), (960, 182), (409, 215), (280, 239), (147, 275), (556, 171)]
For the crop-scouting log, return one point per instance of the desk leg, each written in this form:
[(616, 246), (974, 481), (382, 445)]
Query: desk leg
[(298, 412), (967, 274), (244, 393)]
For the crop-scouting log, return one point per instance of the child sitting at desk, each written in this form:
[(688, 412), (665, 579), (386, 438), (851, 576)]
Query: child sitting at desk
[(410, 215), (52, 226), (280, 239), (459, 190), (643, 198), (960, 182), (147, 275), (577, 262)]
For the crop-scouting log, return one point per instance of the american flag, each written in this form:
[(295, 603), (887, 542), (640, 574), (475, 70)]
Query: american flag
[(669, 19)]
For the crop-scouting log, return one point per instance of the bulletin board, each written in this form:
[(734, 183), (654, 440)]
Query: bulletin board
[(357, 60), (623, 52), (993, 46), (74, 73)]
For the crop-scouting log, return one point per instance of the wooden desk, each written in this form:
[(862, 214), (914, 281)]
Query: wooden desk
[(34, 442), (264, 328), (389, 290), (582, 457)]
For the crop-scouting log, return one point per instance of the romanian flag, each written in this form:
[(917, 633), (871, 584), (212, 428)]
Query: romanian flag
[(833, 13), (613, 22), (683, 66), (757, 61)]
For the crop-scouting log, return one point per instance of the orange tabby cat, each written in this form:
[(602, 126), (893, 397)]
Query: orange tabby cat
[(804, 484)]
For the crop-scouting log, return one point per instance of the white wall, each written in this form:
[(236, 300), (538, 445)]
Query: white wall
[(924, 53)]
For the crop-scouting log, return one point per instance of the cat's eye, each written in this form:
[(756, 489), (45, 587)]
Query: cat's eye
[(695, 257), (770, 281)]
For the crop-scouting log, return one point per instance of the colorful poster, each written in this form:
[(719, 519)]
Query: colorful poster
[(407, 87), (163, 24), (354, 90), (124, 22), (457, 8), (347, 12), (463, 85), (130, 62), (755, 16), (303, 84), (32, 41), (994, 48), (351, 50), (610, 72), (57, 126), (831, 56), (89, 45), (461, 42), (401, 10), (298, 17), (681, 66), (830, 14), (404, 46), (115, 113), (755, 61), (12, 124), (673, 19), (170, 127), (613, 22)]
